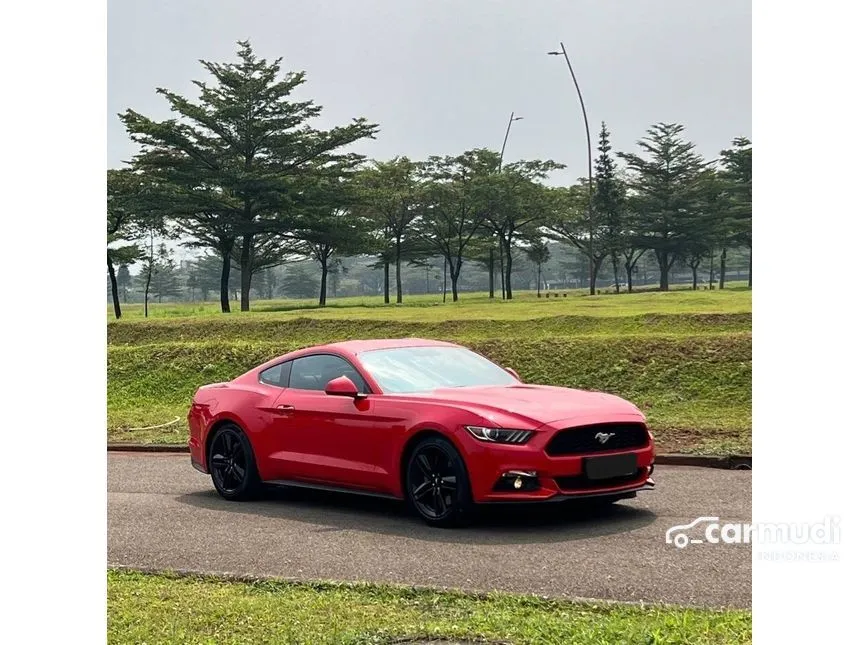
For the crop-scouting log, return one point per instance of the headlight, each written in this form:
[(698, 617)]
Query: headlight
[(499, 435)]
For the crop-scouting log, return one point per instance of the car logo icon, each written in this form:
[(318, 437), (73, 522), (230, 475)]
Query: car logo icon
[(677, 535), (603, 437)]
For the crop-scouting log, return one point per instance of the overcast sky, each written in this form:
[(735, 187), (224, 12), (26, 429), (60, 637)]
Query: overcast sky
[(442, 77)]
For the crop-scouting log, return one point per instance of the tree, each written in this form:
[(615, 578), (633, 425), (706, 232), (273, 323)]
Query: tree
[(664, 185), (608, 202), (208, 270), (236, 161), (123, 281), (538, 253), (517, 205), (125, 223), (298, 281), (713, 219), (570, 224), (329, 227), (737, 171), (389, 197), (165, 278), (453, 205), (268, 283)]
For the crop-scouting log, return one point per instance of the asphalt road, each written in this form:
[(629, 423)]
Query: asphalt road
[(163, 514)]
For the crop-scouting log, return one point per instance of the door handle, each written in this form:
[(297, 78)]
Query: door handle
[(286, 409)]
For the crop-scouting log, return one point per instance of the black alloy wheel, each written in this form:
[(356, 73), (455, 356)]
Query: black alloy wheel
[(232, 464), (437, 483)]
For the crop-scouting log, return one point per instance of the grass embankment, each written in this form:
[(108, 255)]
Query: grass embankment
[(172, 609), (690, 372), (525, 305)]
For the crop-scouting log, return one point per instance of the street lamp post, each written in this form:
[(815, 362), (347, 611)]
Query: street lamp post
[(501, 255), (563, 52), (505, 142)]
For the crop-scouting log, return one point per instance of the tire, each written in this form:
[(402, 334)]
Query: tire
[(436, 484), (232, 464)]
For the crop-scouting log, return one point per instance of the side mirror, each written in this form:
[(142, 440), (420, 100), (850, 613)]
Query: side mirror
[(342, 386), (513, 373)]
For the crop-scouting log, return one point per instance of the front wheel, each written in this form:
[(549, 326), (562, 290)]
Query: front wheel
[(437, 483), (232, 464)]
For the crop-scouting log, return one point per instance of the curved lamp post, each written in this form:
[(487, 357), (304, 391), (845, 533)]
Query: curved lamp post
[(563, 52), (501, 255), (505, 142)]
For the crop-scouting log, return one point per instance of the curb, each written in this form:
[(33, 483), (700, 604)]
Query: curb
[(726, 462)]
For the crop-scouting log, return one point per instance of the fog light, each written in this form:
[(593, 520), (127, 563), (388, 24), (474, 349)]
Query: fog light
[(518, 480)]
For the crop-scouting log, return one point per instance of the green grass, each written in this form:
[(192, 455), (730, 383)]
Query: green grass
[(694, 389), (269, 327), (524, 306), (684, 357), (145, 608)]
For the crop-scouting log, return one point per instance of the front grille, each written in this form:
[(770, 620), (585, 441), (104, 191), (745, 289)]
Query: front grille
[(586, 439), (582, 483)]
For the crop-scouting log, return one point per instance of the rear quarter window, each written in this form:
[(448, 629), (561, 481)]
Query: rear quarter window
[(277, 375)]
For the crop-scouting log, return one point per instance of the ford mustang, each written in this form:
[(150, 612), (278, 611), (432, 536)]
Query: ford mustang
[(428, 422)]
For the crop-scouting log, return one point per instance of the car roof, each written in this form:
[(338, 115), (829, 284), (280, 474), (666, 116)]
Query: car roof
[(358, 346), (348, 347)]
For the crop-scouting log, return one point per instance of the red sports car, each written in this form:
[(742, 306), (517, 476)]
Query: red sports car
[(426, 421)]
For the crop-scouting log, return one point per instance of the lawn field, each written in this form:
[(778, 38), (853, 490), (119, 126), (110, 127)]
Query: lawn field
[(684, 357), (145, 608), (736, 298)]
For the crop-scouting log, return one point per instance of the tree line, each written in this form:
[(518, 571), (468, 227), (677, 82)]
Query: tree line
[(243, 173)]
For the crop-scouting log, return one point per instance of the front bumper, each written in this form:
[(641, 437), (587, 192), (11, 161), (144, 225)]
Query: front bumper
[(558, 478)]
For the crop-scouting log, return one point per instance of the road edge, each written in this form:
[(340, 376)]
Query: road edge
[(726, 462)]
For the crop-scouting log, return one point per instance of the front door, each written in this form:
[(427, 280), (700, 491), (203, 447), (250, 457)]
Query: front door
[(324, 438)]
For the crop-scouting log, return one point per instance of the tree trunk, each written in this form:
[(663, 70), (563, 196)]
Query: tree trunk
[(492, 273), (592, 287), (386, 281), (749, 276), (444, 280), (226, 252), (148, 274), (113, 289), (723, 268), (665, 265), (695, 269), (502, 281), (509, 261), (323, 281), (454, 276), (397, 271), (629, 268), (538, 279), (615, 272), (245, 269), (711, 272)]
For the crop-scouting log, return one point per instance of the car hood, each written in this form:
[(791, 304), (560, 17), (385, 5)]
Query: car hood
[(532, 405)]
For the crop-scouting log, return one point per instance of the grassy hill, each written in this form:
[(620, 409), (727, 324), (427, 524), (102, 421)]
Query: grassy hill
[(684, 357)]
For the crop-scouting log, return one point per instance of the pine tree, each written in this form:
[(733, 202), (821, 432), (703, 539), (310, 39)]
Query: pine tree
[(665, 193), (737, 164), (123, 281), (608, 202), (164, 279)]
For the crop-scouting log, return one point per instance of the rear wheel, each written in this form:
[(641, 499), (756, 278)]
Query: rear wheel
[(437, 483), (232, 464)]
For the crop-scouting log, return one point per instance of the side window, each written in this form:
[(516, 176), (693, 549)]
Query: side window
[(313, 372), (276, 375)]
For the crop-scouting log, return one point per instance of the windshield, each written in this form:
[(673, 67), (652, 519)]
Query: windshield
[(422, 369)]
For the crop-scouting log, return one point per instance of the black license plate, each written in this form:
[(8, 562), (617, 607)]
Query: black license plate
[(609, 466)]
